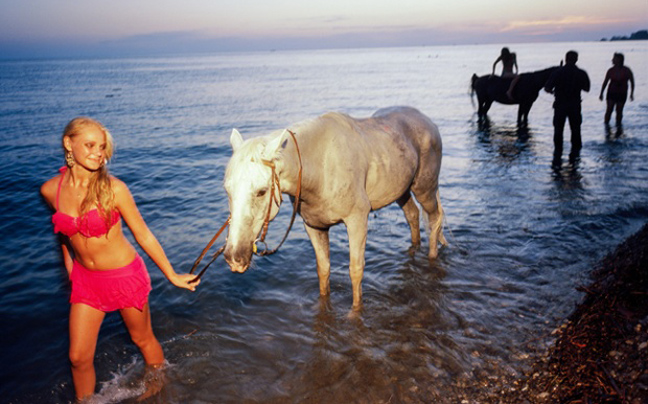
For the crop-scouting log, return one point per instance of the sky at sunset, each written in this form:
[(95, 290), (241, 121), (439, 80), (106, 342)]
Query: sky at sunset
[(52, 28)]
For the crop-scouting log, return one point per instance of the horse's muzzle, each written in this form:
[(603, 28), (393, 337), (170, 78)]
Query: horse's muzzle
[(238, 258)]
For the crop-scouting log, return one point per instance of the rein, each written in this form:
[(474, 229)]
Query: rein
[(274, 197)]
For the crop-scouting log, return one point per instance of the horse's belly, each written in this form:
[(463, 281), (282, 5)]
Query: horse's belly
[(384, 186)]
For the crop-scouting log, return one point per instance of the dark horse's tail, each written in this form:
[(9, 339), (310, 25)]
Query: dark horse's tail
[(473, 82)]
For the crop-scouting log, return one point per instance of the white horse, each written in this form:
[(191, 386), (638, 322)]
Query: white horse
[(350, 167)]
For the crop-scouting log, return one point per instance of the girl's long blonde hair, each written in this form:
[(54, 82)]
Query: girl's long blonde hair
[(100, 192)]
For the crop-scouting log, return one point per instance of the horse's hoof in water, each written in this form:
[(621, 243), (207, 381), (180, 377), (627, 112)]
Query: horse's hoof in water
[(355, 313), (325, 305)]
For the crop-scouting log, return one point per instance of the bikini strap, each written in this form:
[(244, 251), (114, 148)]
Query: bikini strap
[(62, 170)]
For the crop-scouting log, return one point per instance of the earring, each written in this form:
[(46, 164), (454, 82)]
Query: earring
[(69, 159)]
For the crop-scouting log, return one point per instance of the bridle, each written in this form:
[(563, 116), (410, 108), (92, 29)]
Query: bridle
[(275, 197)]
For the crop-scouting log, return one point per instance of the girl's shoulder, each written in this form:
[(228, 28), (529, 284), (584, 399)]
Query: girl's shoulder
[(119, 187), (116, 183), (49, 188)]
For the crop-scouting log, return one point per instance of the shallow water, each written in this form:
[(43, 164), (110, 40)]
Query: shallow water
[(522, 234)]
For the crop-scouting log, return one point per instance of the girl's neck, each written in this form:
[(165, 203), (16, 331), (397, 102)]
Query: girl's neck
[(79, 176)]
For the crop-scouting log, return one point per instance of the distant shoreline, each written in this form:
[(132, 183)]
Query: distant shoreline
[(635, 36)]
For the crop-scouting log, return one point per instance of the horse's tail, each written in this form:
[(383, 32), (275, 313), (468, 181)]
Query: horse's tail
[(473, 82), (438, 225)]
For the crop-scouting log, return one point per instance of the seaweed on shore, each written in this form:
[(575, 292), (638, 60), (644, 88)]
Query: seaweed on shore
[(601, 351)]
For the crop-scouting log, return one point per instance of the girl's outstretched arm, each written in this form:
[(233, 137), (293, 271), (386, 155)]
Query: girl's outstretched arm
[(144, 236)]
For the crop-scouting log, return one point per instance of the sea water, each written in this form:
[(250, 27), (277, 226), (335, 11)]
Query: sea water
[(523, 234)]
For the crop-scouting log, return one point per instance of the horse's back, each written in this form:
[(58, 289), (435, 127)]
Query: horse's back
[(386, 128), (411, 124), (493, 88), (397, 133), (380, 155)]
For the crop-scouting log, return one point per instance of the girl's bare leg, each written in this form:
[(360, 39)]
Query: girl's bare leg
[(141, 332), (85, 322)]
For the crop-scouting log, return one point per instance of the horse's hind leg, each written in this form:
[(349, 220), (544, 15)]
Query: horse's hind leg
[(482, 106), (426, 188), (431, 203), (356, 225), (406, 202), (523, 114)]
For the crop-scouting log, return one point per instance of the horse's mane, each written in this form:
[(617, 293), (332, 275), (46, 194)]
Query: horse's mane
[(319, 125), (251, 150), (539, 77), (547, 70)]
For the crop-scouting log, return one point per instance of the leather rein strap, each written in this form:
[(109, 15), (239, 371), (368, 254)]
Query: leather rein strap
[(277, 197), (274, 197), (204, 251)]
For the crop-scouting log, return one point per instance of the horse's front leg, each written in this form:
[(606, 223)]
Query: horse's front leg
[(320, 240), (357, 230), (523, 113)]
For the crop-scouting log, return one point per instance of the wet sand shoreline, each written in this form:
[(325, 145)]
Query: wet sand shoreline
[(599, 354)]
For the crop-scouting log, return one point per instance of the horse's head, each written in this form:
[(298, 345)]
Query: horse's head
[(250, 188)]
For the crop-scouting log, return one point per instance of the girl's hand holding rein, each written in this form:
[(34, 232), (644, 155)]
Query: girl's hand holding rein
[(184, 281)]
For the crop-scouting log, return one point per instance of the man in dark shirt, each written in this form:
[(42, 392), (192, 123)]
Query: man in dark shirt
[(566, 83)]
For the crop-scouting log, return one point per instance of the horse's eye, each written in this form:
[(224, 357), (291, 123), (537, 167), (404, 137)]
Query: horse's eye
[(261, 193)]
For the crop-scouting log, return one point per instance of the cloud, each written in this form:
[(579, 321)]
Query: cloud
[(552, 26)]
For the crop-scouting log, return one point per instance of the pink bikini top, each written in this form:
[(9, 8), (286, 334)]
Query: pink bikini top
[(91, 224)]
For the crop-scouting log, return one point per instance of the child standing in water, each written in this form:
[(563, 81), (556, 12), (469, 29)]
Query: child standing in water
[(105, 270)]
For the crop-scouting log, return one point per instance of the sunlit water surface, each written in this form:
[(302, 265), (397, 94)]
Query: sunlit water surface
[(522, 234)]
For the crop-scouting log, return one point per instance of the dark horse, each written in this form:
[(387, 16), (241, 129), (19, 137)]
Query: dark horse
[(493, 88)]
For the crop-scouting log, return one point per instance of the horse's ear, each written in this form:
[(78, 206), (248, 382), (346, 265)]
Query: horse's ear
[(236, 140), (277, 144)]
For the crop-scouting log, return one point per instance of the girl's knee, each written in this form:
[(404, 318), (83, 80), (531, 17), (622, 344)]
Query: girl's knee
[(150, 349), (146, 341), (80, 359)]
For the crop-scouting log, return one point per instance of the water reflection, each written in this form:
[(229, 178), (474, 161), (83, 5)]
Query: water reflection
[(573, 160), (567, 177), (611, 136), (400, 351), (506, 142)]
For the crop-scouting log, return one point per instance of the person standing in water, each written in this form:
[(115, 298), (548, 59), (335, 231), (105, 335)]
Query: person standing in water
[(618, 77), (106, 272), (566, 84)]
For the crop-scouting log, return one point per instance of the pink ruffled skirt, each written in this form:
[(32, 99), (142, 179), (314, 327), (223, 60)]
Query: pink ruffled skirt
[(113, 289)]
